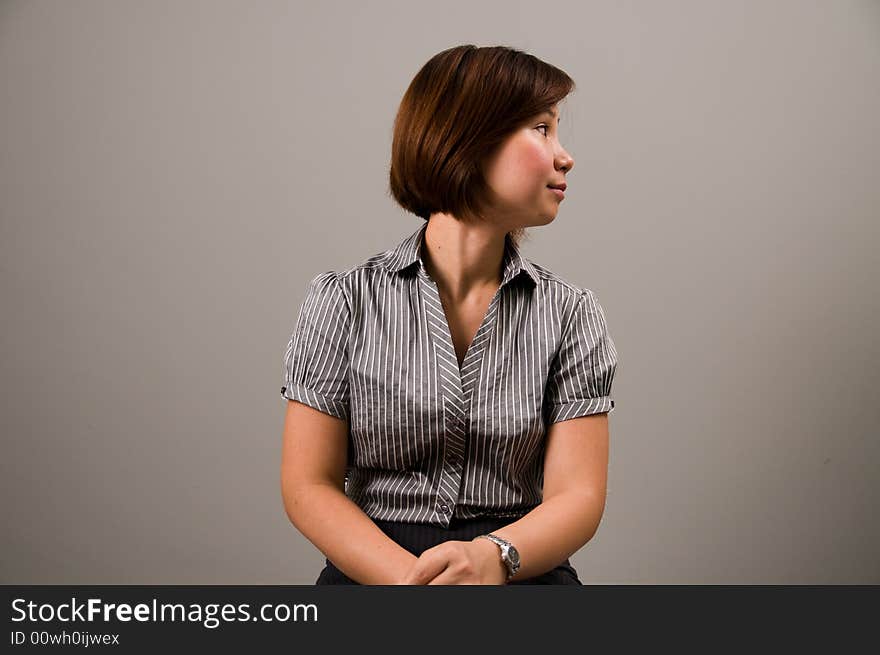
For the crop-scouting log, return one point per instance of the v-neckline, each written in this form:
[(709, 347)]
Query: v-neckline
[(465, 371), (472, 337)]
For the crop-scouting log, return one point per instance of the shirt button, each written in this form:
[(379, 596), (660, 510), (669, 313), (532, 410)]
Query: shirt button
[(444, 508)]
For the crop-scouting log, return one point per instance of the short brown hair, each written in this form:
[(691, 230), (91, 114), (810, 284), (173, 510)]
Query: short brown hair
[(458, 109)]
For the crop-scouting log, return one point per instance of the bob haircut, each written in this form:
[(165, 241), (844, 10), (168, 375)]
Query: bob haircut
[(458, 109)]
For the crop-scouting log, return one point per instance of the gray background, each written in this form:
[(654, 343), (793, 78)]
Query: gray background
[(173, 173)]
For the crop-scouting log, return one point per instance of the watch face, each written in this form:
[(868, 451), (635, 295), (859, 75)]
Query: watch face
[(513, 554)]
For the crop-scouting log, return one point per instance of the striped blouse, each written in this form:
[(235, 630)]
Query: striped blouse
[(428, 439)]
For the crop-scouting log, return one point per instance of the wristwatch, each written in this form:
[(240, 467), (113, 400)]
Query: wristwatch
[(509, 553)]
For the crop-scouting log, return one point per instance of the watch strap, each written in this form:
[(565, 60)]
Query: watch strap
[(505, 547)]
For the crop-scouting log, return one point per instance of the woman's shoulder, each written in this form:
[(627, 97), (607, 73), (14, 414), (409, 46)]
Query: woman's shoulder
[(371, 266), (561, 287)]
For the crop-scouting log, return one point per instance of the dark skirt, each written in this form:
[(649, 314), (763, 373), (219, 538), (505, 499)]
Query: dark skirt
[(418, 537)]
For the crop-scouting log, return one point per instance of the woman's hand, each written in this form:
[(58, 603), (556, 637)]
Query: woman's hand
[(458, 562)]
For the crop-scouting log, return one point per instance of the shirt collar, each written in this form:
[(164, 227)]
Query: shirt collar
[(408, 252)]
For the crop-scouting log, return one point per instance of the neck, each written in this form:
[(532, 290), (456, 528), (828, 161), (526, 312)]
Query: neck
[(463, 258)]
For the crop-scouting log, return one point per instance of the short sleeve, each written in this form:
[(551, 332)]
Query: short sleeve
[(316, 358), (579, 382)]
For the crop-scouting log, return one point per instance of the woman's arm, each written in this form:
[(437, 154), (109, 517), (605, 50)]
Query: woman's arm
[(575, 479), (348, 537), (314, 454)]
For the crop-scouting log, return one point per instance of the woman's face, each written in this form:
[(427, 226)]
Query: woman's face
[(520, 172)]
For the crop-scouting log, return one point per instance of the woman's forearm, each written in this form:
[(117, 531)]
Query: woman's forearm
[(553, 531), (346, 535)]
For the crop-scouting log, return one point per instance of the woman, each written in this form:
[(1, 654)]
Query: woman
[(448, 399)]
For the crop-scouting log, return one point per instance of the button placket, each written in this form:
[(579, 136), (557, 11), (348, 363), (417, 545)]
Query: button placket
[(455, 385)]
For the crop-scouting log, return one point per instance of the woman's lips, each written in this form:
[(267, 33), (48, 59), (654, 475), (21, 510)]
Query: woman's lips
[(559, 192)]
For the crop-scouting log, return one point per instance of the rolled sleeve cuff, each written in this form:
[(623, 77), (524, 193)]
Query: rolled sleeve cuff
[(315, 400), (579, 408)]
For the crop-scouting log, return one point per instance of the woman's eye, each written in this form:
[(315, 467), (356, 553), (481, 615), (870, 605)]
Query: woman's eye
[(546, 127)]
